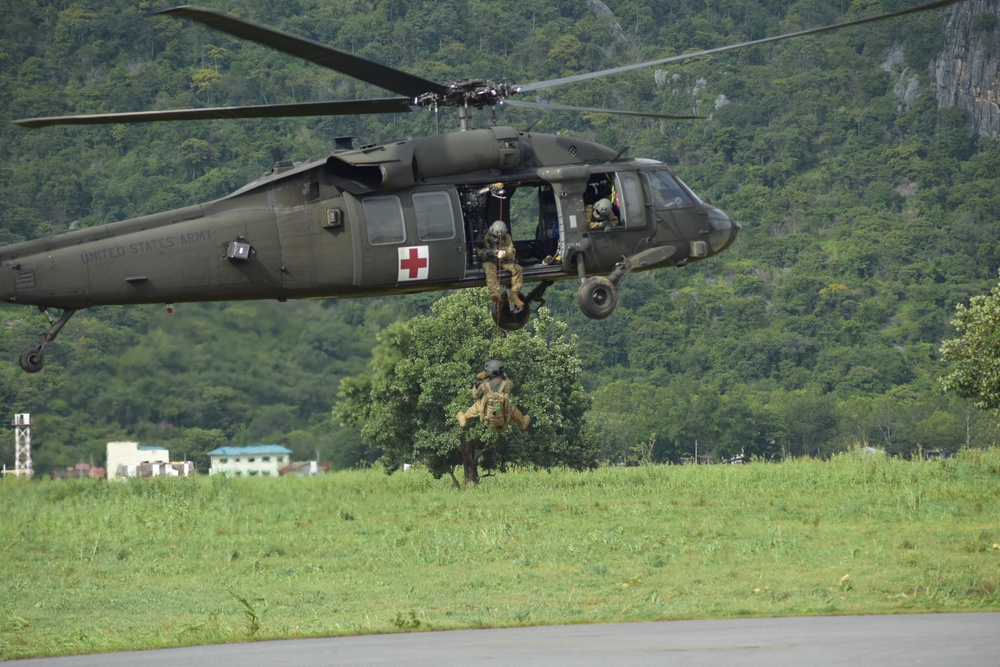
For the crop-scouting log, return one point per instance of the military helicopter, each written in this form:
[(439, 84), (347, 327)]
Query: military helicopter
[(390, 218)]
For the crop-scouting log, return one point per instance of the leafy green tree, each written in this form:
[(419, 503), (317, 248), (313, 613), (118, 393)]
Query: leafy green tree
[(941, 430), (197, 152), (566, 51), (197, 443), (857, 421), (810, 418), (974, 357), (419, 379), (620, 419), (889, 416)]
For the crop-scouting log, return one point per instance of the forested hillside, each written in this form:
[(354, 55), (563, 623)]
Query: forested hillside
[(867, 215)]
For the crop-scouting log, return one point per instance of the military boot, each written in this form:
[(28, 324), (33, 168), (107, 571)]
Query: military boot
[(515, 299), (462, 419), (524, 422)]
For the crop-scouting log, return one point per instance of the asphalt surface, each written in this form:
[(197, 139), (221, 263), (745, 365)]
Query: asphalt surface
[(945, 640)]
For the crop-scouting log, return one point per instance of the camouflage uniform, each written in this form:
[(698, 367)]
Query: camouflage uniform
[(481, 389), (490, 256)]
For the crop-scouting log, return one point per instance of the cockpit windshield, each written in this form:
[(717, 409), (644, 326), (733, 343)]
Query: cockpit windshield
[(668, 191)]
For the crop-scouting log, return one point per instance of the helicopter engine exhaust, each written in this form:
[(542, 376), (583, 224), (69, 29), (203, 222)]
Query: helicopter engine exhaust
[(418, 160)]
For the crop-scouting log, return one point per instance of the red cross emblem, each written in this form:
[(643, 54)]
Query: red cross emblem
[(414, 263)]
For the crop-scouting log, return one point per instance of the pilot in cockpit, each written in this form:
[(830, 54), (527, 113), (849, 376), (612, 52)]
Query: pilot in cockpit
[(599, 205)]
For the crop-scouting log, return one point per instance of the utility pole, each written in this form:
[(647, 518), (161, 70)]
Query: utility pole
[(22, 445)]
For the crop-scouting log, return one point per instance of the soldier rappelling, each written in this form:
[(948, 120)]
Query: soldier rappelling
[(493, 406)]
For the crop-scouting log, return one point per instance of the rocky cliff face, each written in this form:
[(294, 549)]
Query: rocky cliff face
[(967, 72)]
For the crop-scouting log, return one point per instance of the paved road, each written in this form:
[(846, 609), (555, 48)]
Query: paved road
[(938, 640)]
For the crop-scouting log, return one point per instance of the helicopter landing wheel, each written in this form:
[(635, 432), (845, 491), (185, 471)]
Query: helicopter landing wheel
[(597, 297), (32, 360), (507, 319)]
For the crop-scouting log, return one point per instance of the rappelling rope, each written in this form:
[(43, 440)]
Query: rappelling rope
[(496, 189)]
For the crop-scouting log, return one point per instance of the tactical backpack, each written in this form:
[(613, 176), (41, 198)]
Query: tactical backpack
[(495, 408)]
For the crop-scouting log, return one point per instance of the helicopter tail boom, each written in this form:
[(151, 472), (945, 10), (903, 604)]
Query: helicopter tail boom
[(165, 258), (39, 272), (6, 276)]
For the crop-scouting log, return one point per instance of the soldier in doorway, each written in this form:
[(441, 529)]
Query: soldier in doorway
[(498, 253)]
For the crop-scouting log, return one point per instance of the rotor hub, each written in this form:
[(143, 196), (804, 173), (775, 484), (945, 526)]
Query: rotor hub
[(468, 93)]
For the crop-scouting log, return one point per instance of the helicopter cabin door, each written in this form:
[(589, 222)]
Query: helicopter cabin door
[(408, 239)]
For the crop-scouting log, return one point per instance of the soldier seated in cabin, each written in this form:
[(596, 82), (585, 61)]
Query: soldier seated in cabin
[(498, 253)]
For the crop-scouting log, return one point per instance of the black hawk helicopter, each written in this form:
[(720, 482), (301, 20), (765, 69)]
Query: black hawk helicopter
[(390, 218)]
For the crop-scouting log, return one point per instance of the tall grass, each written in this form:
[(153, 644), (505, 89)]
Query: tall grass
[(90, 566)]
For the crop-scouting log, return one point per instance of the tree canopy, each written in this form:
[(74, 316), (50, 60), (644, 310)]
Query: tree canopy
[(974, 357), (420, 378)]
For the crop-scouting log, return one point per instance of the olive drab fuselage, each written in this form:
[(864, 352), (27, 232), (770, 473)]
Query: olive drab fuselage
[(392, 218), (386, 219)]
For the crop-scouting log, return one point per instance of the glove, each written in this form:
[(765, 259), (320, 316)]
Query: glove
[(488, 254), (481, 375), (502, 254)]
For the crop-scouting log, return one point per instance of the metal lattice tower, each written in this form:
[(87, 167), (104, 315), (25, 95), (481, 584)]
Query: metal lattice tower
[(22, 445)]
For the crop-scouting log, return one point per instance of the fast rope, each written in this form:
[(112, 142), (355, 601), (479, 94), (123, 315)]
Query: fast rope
[(496, 189)]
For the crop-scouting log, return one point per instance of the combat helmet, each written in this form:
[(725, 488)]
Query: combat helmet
[(497, 230), (602, 209)]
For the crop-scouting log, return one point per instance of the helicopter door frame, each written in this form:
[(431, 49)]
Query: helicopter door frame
[(569, 184), (628, 186), (545, 232), (570, 222), (376, 248)]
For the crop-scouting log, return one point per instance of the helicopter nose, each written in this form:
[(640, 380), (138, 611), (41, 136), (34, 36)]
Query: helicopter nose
[(723, 230)]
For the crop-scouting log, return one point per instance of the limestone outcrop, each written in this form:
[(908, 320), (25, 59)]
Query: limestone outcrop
[(967, 73)]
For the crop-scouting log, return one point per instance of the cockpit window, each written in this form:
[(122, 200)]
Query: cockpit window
[(691, 193), (667, 192)]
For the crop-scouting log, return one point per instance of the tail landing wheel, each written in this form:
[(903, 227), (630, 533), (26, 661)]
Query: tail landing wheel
[(32, 360)]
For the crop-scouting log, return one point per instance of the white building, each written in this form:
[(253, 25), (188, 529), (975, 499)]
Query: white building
[(125, 459), (250, 460)]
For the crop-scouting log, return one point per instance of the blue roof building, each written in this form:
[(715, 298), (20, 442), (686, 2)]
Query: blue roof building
[(250, 460)]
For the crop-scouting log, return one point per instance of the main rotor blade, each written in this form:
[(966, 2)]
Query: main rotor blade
[(697, 54), (365, 70), (616, 112), (383, 105)]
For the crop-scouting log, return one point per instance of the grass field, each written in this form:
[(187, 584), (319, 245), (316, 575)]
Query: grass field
[(91, 567)]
